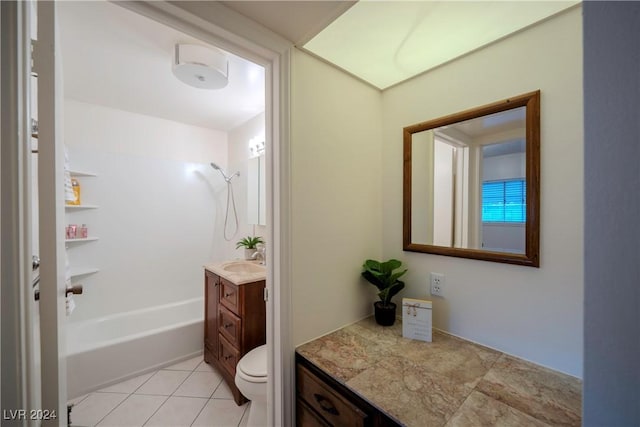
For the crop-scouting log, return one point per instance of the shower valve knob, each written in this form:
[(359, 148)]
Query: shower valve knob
[(75, 289)]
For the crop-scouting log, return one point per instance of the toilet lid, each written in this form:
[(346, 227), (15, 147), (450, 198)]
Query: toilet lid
[(254, 363)]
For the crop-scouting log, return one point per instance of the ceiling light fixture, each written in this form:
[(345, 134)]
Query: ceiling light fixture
[(201, 67)]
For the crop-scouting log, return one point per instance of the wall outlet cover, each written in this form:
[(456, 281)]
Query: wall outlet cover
[(437, 284)]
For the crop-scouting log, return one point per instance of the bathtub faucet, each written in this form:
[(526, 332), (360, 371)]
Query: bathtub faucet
[(260, 253)]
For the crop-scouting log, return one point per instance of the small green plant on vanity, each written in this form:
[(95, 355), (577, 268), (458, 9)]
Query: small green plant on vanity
[(383, 277), (250, 244)]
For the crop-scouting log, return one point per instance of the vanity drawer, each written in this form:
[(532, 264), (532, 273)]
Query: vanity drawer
[(306, 417), (230, 326), (228, 355), (229, 295), (332, 407)]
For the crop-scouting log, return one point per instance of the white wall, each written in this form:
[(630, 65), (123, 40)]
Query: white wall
[(532, 313), (507, 166), (335, 196), (160, 207)]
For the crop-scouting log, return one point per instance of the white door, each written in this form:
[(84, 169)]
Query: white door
[(22, 400), (18, 371), (47, 65)]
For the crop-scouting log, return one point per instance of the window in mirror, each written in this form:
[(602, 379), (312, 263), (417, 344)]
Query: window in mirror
[(471, 183)]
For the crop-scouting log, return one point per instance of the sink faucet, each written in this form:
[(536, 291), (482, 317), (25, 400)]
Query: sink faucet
[(260, 253)]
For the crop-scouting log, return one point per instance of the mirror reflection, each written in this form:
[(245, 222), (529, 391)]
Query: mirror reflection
[(470, 184), (467, 183), (256, 191)]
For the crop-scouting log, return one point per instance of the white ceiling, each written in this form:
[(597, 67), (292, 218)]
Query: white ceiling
[(296, 21), (386, 42), (117, 58)]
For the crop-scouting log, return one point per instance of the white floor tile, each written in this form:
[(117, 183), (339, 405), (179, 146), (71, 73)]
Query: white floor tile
[(163, 383), (95, 407), (220, 413), (134, 411), (222, 392), (177, 412), (199, 384), (187, 365), (77, 399), (205, 367), (128, 386), (245, 416)]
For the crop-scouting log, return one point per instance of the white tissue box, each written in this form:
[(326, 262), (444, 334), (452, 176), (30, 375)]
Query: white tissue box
[(416, 319)]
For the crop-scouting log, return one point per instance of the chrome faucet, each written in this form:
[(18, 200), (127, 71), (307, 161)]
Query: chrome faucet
[(260, 253)]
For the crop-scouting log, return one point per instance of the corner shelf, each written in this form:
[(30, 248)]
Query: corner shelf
[(82, 272), (81, 173), (79, 271), (86, 239), (81, 206)]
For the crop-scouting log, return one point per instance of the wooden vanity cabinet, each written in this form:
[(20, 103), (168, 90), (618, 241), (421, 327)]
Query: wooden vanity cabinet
[(235, 323), (211, 283), (323, 401)]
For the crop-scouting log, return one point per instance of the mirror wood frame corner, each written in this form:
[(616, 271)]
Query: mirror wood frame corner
[(530, 257)]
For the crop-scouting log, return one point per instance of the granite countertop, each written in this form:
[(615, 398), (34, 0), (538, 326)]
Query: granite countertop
[(448, 382), (258, 271)]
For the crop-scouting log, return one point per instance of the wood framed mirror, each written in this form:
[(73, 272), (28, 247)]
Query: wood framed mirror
[(471, 184)]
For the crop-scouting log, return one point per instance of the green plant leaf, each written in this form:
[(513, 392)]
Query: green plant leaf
[(381, 275), (394, 289), (391, 265), (371, 265), (249, 242), (395, 276), (373, 279)]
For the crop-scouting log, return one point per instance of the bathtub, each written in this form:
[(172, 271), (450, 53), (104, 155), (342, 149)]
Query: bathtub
[(110, 349)]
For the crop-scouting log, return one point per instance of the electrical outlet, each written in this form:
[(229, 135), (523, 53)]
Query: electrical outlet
[(437, 284)]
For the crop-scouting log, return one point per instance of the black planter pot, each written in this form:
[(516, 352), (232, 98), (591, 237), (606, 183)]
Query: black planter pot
[(385, 314)]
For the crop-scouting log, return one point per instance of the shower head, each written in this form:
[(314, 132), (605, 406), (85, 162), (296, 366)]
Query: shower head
[(224, 175)]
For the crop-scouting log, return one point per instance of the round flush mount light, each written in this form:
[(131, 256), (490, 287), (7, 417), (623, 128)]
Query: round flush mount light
[(200, 66)]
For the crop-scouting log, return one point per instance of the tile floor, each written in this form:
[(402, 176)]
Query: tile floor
[(190, 393)]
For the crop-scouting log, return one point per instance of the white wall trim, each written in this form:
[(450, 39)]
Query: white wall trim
[(216, 24), (14, 229)]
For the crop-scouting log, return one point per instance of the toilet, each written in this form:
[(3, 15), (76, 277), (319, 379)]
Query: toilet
[(251, 380)]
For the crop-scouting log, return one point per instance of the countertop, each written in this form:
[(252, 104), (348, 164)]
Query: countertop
[(238, 278), (448, 382)]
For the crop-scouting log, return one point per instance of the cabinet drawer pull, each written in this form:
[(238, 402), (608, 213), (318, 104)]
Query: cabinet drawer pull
[(326, 404), (228, 325), (227, 295), (227, 357)]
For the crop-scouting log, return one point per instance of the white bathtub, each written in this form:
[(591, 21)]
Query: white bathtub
[(107, 350)]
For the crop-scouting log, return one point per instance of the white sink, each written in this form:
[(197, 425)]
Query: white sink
[(244, 267)]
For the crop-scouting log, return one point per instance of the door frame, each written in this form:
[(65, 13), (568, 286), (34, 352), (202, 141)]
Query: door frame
[(17, 367), (214, 23), (51, 215)]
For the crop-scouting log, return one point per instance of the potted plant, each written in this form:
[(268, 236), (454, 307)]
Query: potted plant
[(249, 243), (381, 274)]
